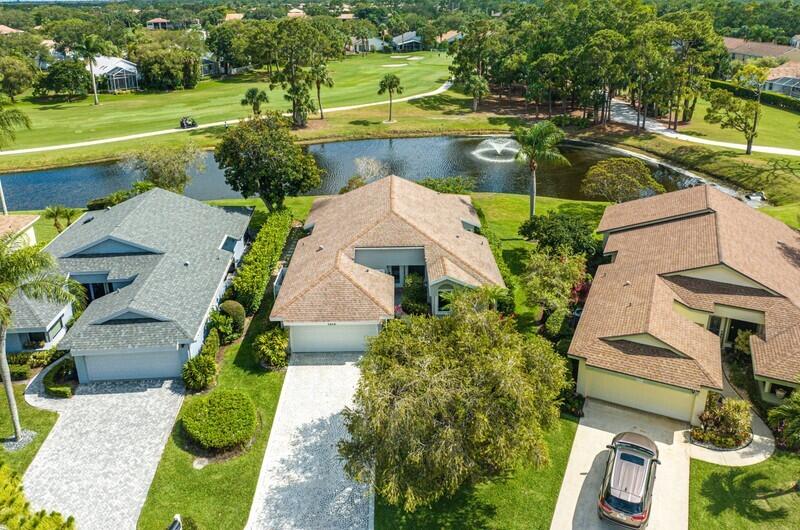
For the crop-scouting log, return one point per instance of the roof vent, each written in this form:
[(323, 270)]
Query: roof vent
[(88, 220), (108, 208), (185, 263), (627, 283), (319, 248)]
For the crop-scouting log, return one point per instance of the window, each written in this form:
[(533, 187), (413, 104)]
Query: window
[(57, 327), (35, 338), (714, 325), (96, 290), (417, 269), (229, 244), (443, 302)]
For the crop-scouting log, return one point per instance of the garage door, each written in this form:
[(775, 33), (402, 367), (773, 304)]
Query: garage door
[(134, 366), (641, 395), (331, 338)]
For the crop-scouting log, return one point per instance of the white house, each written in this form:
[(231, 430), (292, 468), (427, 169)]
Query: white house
[(116, 73), (345, 277)]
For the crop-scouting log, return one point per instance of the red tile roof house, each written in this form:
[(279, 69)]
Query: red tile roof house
[(341, 284), (688, 270)]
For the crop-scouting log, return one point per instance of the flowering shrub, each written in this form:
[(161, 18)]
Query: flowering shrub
[(725, 422)]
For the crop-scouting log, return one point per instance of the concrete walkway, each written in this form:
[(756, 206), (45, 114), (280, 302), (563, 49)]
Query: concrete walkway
[(577, 501), (150, 134), (99, 459), (302, 484), (622, 112)]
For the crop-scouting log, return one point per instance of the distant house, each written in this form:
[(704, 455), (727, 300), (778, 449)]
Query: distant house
[(5, 30), (795, 41), (296, 13), (346, 16), (159, 23), (373, 44), (785, 79), (117, 74), (209, 66), (19, 224), (233, 16), (154, 267), (449, 37), (743, 50), (407, 42)]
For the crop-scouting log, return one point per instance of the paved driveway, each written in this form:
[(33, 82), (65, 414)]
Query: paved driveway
[(99, 460), (577, 501), (302, 482)]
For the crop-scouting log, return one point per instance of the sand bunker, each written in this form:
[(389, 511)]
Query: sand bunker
[(393, 65)]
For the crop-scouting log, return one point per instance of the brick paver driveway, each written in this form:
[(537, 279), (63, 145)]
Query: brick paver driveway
[(302, 483), (99, 459)]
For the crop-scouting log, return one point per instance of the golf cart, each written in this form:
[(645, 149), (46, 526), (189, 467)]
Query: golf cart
[(188, 123)]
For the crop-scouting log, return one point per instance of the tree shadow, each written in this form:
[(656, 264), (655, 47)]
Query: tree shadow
[(364, 123), (465, 509), (737, 490), (590, 212), (444, 103), (791, 252)]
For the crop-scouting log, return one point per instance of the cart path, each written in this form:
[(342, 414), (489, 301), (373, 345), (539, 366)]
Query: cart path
[(622, 112), (446, 86)]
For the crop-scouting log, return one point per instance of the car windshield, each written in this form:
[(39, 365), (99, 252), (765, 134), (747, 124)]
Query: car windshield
[(622, 505)]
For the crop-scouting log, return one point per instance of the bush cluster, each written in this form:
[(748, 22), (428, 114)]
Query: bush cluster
[(234, 309), (225, 419), (725, 422), (224, 325), (19, 372), (252, 279), (15, 510), (565, 120), (557, 324), (457, 185), (415, 296), (270, 348), (505, 304), (211, 344), (773, 99), (61, 380), (199, 372), (39, 359), (119, 196)]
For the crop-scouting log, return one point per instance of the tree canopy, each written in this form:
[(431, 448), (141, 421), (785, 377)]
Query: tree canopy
[(561, 230), (620, 179), (551, 277), (448, 401), (168, 167)]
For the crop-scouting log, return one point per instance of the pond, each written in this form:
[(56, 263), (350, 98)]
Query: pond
[(490, 161)]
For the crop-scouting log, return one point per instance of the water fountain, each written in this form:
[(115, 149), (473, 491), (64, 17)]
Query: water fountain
[(499, 150)]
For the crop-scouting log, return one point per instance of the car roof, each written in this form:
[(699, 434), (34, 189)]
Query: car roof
[(638, 440), (628, 477)]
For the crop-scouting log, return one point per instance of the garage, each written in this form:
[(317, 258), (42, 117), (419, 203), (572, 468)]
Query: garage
[(669, 401), (133, 366), (331, 337)]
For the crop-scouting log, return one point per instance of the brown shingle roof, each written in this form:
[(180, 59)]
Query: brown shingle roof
[(787, 69), (324, 283), (759, 49), (633, 296), (15, 223)]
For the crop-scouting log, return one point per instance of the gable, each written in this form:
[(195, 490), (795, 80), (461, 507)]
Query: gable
[(111, 246)]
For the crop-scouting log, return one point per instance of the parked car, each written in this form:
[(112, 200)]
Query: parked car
[(627, 489)]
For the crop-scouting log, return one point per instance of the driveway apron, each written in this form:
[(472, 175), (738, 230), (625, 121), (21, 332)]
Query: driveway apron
[(577, 502), (302, 482), (100, 457)]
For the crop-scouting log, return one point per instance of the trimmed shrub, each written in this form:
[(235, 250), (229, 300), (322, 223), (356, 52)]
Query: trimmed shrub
[(557, 324), (45, 357), (457, 185), (19, 372), (250, 282), (773, 99), (224, 326), (19, 358), (211, 344), (270, 348), (235, 310), (199, 372), (60, 380), (565, 120), (223, 420), (415, 296), (506, 303), (725, 422)]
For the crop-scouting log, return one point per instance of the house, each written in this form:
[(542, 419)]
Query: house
[(153, 267), (689, 270), (117, 74), (345, 277), (795, 41), (35, 325), (407, 42), (744, 50), (785, 79), (373, 44), (158, 23), (296, 13), (346, 16), (449, 37), (233, 16), (5, 30), (209, 66)]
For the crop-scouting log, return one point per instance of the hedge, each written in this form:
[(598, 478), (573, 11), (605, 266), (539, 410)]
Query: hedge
[(224, 419), (58, 382), (250, 282), (773, 99), (211, 344), (557, 324), (506, 304), (199, 372)]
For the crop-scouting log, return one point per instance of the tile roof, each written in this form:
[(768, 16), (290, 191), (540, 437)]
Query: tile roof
[(787, 69), (16, 223), (174, 281), (655, 239), (323, 281), (760, 49)]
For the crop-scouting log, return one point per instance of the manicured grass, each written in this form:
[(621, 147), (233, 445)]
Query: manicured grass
[(778, 177), (525, 500), (776, 128), (788, 213), (31, 418), (752, 497), (57, 121)]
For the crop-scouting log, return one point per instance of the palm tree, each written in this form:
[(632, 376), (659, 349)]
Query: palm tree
[(539, 143), (70, 214), (92, 46), (391, 84), (255, 97), (55, 212), (10, 120), (320, 76), (25, 271), (788, 414)]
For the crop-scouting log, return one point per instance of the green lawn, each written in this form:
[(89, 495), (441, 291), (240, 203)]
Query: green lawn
[(760, 496), (777, 128), (356, 78), (31, 418)]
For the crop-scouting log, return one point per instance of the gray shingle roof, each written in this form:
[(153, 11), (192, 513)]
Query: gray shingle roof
[(174, 284), (32, 314)]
